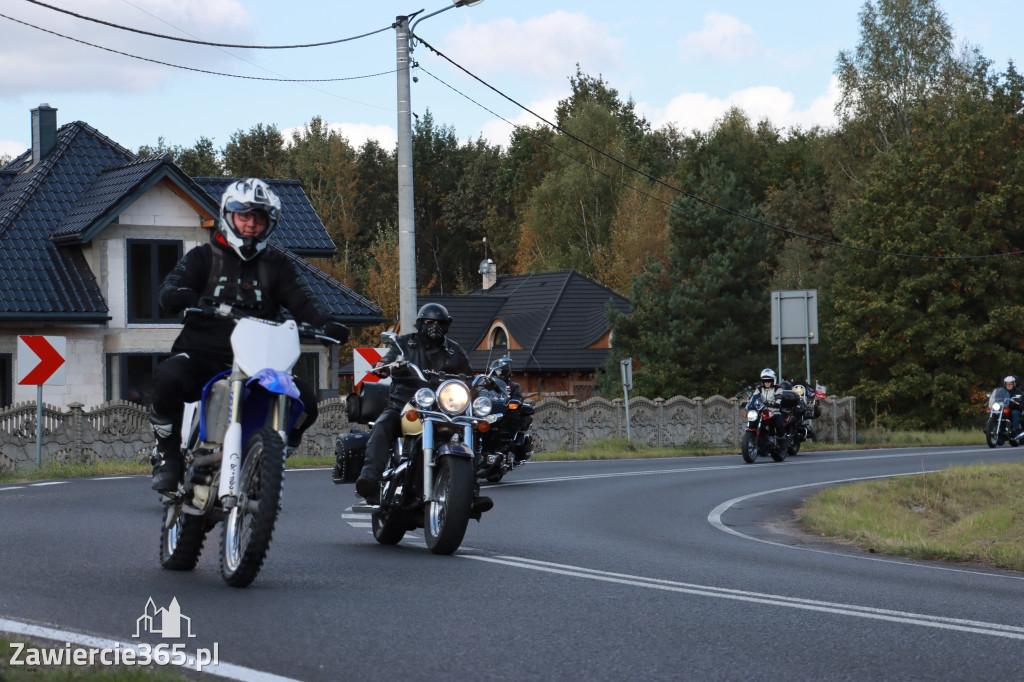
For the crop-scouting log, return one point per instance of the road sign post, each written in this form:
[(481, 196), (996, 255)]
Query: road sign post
[(41, 361), (626, 366)]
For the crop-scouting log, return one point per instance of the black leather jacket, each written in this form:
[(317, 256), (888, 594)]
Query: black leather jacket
[(263, 284), (450, 359)]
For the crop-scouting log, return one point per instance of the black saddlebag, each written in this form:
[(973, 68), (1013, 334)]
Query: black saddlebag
[(349, 453), (365, 406)]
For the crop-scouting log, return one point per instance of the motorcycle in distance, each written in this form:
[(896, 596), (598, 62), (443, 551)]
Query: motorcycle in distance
[(233, 442), (998, 429), (504, 441), (759, 438), (804, 413), (429, 482)]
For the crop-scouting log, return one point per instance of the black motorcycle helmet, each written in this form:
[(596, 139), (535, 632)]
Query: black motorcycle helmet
[(432, 322), (504, 371)]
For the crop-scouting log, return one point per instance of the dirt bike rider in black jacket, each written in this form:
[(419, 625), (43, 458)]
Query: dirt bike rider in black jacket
[(234, 267), (428, 348)]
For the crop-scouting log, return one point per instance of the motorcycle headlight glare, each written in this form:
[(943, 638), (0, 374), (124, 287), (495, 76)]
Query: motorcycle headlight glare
[(996, 407), (751, 415), (482, 406), (424, 398), (453, 397)]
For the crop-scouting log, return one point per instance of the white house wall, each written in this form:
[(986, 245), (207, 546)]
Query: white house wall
[(157, 214)]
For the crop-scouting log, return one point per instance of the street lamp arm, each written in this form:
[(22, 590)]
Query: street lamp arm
[(412, 26)]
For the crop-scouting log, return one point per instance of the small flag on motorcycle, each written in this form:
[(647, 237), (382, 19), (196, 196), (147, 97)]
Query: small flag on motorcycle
[(819, 391)]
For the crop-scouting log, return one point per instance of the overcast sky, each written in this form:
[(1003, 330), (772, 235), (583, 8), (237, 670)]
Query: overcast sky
[(681, 61)]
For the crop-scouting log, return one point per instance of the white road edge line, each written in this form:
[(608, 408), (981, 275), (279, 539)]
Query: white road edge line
[(228, 670), (715, 519), (939, 622)]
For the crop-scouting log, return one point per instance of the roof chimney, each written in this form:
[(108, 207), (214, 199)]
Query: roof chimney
[(44, 131), (490, 273)]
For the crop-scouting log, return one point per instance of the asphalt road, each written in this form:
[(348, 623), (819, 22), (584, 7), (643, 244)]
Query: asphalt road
[(667, 569)]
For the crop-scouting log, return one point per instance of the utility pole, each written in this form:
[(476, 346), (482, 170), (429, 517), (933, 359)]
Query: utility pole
[(406, 208)]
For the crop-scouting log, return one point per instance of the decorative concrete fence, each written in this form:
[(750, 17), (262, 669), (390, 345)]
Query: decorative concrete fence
[(669, 423), (120, 431)]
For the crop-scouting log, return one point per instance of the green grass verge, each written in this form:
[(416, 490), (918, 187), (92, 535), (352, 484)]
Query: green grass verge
[(964, 514)]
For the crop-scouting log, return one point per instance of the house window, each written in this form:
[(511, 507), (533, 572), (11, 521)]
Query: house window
[(130, 376), (308, 369), (6, 380), (149, 262), (499, 339)]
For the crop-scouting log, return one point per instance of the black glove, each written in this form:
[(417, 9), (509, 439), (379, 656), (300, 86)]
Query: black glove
[(179, 299), (336, 330)]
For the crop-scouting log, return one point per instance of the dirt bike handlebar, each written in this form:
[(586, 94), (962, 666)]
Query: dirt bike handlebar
[(209, 307)]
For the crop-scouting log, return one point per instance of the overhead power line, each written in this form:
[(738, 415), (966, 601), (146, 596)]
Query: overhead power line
[(695, 197), (191, 68), (203, 42)]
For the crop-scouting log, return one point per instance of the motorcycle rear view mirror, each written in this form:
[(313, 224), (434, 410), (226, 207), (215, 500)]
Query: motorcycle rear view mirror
[(389, 337)]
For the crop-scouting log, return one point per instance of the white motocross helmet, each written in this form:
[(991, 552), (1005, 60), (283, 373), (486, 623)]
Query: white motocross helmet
[(248, 195), (768, 374)]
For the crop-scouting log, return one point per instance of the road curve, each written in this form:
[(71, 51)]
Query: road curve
[(685, 568)]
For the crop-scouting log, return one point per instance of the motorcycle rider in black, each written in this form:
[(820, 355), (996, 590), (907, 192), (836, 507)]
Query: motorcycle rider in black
[(428, 348), (234, 267)]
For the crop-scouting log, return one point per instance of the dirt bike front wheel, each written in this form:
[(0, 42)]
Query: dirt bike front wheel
[(250, 523)]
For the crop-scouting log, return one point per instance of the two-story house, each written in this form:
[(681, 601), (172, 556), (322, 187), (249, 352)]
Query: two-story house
[(88, 230)]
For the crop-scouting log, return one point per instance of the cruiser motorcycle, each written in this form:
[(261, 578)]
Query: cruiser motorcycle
[(504, 441), (233, 441), (998, 429), (804, 413), (429, 482), (759, 438)]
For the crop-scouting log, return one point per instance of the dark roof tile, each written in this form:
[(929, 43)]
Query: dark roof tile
[(553, 316), (48, 209)]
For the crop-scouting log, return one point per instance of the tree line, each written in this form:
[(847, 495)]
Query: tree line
[(906, 217)]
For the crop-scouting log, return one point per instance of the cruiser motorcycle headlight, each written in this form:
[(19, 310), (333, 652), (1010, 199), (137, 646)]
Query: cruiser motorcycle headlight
[(453, 397), (751, 415), (997, 407), (424, 398), (482, 406)]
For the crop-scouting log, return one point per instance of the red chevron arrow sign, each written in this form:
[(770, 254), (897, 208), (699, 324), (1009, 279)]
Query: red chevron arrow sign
[(41, 360)]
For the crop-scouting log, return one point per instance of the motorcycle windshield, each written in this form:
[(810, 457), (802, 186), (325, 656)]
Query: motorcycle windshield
[(1000, 395), (756, 402)]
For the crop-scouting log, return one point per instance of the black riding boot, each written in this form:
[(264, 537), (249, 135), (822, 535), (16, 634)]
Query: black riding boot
[(168, 464)]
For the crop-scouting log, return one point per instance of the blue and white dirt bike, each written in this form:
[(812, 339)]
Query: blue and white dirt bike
[(233, 442)]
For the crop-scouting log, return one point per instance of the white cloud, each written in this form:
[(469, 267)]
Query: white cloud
[(698, 111), (11, 148), (547, 47), (723, 37), (32, 60), (356, 134), (500, 133)]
